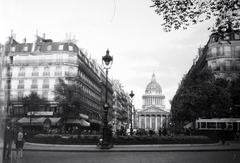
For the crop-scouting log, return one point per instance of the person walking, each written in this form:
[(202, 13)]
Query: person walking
[(223, 136), (8, 139), (20, 142), (110, 136)]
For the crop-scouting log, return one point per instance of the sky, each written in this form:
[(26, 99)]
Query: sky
[(130, 29)]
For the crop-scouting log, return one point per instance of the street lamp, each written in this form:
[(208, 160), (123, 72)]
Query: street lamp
[(132, 97), (107, 63)]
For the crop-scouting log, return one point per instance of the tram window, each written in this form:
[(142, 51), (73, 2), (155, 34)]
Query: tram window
[(219, 125), (211, 125), (198, 125), (230, 127), (203, 125), (223, 125)]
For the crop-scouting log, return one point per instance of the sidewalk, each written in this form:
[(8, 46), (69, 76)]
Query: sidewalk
[(234, 146)]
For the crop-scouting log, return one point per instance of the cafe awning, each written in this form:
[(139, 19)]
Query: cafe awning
[(37, 121), (32, 121), (40, 113), (81, 122)]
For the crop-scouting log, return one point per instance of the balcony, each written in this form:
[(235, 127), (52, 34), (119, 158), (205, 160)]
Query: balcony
[(45, 86), (58, 73), (7, 87), (9, 74), (21, 74), (70, 74), (20, 87), (46, 73), (35, 74), (34, 86)]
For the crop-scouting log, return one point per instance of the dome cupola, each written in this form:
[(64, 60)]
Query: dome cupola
[(153, 87)]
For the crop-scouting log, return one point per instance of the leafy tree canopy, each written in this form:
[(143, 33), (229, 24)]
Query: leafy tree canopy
[(33, 98), (182, 13), (67, 94), (201, 95)]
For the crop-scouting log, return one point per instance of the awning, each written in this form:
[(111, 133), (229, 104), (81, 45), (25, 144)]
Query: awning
[(85, 123), (37, 121), (95, 121), (42, 113), (81, 122), (33, 121), (84, 116)]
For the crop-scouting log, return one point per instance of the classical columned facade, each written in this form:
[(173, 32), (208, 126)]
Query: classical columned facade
[(153, 116)]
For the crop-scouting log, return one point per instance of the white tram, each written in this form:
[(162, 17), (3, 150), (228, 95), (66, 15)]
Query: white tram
[(217, 124)]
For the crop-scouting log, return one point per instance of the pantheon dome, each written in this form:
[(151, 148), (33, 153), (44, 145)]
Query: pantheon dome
[(153, 87), (153, 114)]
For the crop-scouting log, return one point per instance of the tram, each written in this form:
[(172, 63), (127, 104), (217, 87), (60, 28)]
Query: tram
[(212, 127)]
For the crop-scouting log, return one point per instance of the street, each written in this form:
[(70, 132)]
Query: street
[(127, 157)]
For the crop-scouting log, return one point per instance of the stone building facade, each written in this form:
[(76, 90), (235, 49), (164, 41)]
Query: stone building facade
[(153, 114)]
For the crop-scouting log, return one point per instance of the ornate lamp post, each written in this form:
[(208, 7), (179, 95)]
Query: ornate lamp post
[(132, 97), (107, 63)]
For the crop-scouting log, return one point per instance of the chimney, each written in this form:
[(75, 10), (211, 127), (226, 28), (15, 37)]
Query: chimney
[(44, 36), (24, 40)]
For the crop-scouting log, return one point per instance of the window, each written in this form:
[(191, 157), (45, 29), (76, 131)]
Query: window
[(34, 84), (21, 84), (38, 48), (60, 47), (46, 83), (45, 95), (58, 71), (22, 72), (70, 48), (220, 51), (9, 72), (46, 71), (25, 48), (227, 50), (13, 49), (20, 95), (71, 59), (214, 65), (237, 50), (35, 71), (236, 36), (228, 65), (49, 47), (214, 52)]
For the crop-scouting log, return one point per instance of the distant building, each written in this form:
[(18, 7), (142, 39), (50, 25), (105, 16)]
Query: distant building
[(36, 67), (153, 114), (223, 56)]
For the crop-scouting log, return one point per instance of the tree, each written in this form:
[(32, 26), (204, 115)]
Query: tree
[(201, 95), (32, 101), (69, 96), (182, 13)]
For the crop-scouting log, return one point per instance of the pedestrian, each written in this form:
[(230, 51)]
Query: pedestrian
[(110, 136), (237, 135), (228, 136), (222, 136), (8, 139), (160, 132), (20, 142)]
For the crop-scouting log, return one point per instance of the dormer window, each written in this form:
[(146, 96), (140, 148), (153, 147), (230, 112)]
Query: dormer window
[(13, 49), (49, 47), (70, 48), (60, 47), (38, 48), (25, 48)]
